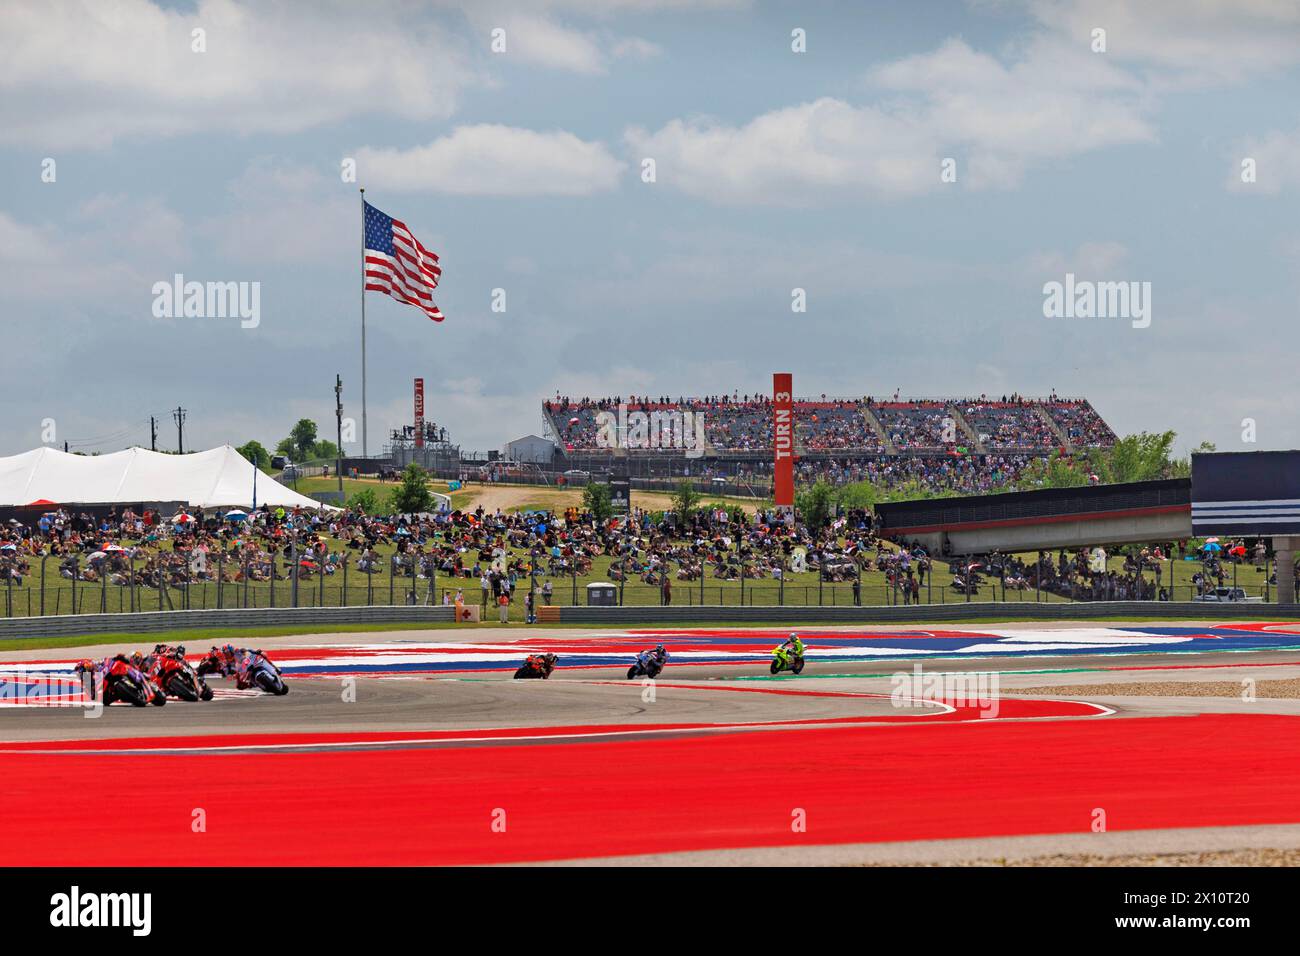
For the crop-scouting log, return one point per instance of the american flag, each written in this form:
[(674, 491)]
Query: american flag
[(397, 264)]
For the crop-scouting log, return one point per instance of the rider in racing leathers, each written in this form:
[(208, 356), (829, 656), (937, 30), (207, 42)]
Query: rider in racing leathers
[(793, 647), (658, 654)]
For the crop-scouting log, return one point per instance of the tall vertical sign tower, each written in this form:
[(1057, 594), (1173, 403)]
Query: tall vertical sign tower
[(783, 444), (419, 413)]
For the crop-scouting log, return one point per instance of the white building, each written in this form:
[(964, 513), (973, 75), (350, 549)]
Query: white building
[(530, 450)]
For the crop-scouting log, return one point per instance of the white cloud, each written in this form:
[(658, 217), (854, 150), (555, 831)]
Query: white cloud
[(995, 119), (534, 37), (77, 73), (542, 42), (1277, 163), (791, 154), (495, 160), (1186, 42)]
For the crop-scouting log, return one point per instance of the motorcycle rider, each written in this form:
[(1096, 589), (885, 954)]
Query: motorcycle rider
[(658, 655), (541, 664), (792, 648)]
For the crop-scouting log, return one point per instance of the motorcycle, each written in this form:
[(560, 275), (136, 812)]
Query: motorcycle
[(179, 679), (650, 667), (265, 675), (130, 685), (782, 661), (536, 667), (211, 664)]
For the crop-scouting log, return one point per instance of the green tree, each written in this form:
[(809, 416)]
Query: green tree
[(596, 499), (685, 499), (255, 453), (815, 504), (1140, 457), (367, 500), (413, 494), (859, 494), (325, 450), (303, 438), (285, 448)]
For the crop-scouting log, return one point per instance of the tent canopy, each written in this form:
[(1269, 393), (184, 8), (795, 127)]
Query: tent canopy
[(217, 478)]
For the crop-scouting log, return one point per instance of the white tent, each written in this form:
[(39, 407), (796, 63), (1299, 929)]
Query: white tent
[(217, 478)]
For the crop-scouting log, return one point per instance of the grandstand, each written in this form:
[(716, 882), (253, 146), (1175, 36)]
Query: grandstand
[(742, 425), (968, 445)]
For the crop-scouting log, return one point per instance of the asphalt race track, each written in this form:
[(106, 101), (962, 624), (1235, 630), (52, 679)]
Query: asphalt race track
[(896, 744)]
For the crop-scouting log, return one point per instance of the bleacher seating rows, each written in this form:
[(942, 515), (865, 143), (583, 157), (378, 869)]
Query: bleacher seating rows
[(744, 424)]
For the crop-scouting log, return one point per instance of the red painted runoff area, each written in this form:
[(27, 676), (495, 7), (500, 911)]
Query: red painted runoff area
[(515, 801)]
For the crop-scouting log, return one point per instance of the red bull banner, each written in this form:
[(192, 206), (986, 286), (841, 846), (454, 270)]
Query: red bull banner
[(783, 442), (419, 413)]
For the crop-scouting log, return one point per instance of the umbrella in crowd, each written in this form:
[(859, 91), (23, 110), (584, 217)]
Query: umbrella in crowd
[(113, 548), (183, 518), (1213, 546), (236, 515)]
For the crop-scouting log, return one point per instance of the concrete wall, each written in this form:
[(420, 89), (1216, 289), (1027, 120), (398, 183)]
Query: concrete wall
[(152, 621), (1049, 536), (795, 616)]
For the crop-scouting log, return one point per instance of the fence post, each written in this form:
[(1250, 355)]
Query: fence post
[(43, 560), (293, 557), (76, 571), (221, 571)]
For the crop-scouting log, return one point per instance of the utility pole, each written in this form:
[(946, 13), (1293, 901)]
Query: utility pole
[(338, 416), (153, 433), (179, 416)]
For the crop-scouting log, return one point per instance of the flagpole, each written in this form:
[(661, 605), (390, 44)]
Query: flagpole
[(365, 444)]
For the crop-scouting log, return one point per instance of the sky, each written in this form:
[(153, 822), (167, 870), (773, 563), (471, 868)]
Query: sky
[(914, 173)]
